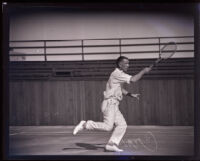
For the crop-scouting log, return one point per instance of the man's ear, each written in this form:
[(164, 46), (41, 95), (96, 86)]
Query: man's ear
[(120, 64)]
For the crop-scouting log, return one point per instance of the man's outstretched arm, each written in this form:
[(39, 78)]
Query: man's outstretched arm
[(138, 76)]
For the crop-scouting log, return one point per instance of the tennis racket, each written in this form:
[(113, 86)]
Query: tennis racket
[(166, 52)]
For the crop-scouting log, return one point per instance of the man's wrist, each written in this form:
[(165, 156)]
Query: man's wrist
[(144, 71)]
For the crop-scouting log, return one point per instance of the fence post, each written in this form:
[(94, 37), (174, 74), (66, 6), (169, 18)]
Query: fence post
[(82, 50), (120, 47), (45, 52), (159, 45)]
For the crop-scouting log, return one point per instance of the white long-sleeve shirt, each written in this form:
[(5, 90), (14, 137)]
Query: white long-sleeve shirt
[(114, 84)]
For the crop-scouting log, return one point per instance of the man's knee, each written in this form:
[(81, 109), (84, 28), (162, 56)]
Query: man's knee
[(123, 126)]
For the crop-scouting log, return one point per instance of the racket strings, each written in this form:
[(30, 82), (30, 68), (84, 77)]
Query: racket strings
[(167, 51)]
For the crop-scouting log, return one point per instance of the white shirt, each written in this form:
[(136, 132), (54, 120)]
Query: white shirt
[(114, 84)]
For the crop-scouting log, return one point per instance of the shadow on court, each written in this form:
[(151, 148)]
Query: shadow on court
[(86, 146)]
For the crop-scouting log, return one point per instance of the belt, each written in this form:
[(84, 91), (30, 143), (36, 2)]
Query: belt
[(112, 101)]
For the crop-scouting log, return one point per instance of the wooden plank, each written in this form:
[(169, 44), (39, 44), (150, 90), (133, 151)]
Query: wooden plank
[(82, 101), (13, 103), (70, 104), (190, 103), (178, 101)]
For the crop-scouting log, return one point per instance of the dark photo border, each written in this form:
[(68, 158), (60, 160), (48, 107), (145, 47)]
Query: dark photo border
[(8, 7)]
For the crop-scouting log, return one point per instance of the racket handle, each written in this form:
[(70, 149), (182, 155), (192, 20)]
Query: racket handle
[(151, 65), (156, 62)]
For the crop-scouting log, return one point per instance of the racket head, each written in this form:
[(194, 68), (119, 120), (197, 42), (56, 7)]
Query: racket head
[(168, 50)]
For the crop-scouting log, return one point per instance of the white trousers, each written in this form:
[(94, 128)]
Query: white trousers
[(111, 117)]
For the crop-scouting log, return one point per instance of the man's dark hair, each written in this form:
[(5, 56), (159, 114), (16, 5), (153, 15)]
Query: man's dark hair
[(119, 60)]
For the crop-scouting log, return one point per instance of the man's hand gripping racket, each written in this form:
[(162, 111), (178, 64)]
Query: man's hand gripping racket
[(137, 96)]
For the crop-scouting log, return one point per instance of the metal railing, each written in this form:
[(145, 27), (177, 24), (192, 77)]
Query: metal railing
[(90, 49)]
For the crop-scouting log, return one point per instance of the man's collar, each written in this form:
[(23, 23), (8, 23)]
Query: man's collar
[(119, 69)]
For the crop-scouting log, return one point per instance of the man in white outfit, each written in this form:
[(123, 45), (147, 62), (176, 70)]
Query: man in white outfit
[(110, 105)]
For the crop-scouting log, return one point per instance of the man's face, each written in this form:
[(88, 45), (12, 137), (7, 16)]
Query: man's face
[(124, 65)]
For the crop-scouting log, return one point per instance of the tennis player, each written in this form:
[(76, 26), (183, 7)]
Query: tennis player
[(112, 117)]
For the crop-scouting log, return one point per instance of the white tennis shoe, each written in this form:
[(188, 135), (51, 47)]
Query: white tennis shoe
[(79, 127), (112, 148)]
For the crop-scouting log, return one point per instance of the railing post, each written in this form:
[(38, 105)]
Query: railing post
[(120, 47), (45, 52), (82, 50), (159, 45)]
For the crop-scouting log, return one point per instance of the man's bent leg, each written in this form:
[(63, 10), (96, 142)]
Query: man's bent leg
[(108, 120), (120, 128)]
